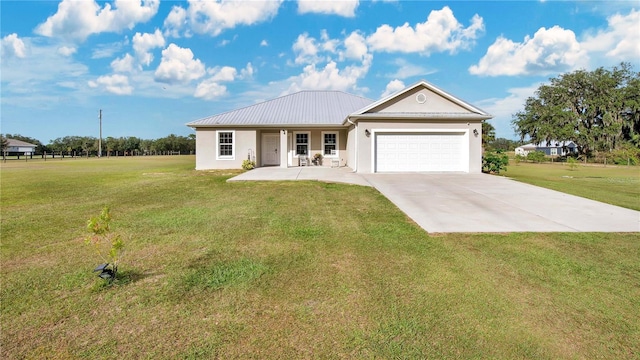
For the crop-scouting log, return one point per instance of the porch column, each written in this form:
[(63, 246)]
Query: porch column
[(284, 151)]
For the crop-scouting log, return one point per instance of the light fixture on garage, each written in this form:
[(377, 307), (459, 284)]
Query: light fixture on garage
[(367, 132), (475, 132)]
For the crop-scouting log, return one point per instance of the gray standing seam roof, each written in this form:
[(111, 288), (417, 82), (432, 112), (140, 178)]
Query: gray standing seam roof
[(301, 108)]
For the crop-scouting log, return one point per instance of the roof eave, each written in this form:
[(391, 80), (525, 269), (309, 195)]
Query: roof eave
[(420, 116), (267, 126)]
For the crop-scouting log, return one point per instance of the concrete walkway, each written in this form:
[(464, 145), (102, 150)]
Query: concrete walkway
[(472, 202), (320, 173)]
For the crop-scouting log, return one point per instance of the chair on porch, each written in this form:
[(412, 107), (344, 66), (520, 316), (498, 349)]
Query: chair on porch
[(335, 162), (304, 161)]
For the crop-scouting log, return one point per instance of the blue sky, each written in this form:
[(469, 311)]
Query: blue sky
[(152, 66)]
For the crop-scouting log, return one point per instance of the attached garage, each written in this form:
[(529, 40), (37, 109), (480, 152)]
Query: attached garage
[(421, 151), (419, 129)]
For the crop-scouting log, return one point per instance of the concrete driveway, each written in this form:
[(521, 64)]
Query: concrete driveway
[(472, 202), (485, 203)]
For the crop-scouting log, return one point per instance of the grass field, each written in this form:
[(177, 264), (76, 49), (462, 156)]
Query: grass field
[(291, 270), (617, 185)]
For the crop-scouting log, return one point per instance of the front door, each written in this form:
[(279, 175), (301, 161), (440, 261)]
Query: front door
[(270, 149)]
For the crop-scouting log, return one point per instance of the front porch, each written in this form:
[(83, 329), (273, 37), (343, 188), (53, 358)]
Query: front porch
[(325, 147)]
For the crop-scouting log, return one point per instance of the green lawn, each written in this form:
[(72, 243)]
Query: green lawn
[(617, 185), (290, 270)]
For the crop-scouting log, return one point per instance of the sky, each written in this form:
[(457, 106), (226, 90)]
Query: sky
[(151, 66)]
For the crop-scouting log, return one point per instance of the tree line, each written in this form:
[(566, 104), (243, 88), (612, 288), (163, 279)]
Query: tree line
[(598, 110), (111, 146)]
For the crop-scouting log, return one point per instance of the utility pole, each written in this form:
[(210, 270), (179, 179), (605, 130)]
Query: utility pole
[(100, 139)]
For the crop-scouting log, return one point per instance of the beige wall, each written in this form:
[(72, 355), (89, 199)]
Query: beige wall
[(316, 144), (433, 103), (365, 143), (251, 139), (206, 149)]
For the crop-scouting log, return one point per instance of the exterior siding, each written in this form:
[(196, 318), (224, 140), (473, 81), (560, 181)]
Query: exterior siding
[(249, 141), (206, 149), (434, 103)]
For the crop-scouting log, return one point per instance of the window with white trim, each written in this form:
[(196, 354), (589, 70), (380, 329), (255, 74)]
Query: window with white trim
[(225, 144), (302, 144), (330, 144), (554, 151)]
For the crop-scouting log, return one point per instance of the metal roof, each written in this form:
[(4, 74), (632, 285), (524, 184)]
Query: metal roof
[(302, 108), (552, 143), (18, 143)]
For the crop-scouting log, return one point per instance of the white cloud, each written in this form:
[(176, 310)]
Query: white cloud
[(264, 43), (209, 90), (77, 20), (12, 45), (175, 21), (101, 51), (548, 51), (392, 87), (503, 108), (621, 40), (346, 8), (178, 65), (330, 77), (305, 49), (116, 84), (439, 33), (330, 64), (407, 70), (247, 72), (142, 43), (67, 50), (356, 46), (213, 17), (212, 88), (123, 64)]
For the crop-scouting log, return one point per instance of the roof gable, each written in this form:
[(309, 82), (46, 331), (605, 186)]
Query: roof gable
[(422, 99), (17, 143), (305, 108)]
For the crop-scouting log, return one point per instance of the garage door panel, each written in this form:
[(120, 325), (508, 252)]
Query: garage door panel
[(421, 152)]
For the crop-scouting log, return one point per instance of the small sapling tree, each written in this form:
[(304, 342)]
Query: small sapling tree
[(572, 162), (107, 245)]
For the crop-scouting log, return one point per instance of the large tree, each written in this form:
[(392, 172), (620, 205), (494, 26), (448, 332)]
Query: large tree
[(598, 110)]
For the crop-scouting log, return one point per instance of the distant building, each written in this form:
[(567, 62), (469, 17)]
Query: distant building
[(551, 148), (20, 147)]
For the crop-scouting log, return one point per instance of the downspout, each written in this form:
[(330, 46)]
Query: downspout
[(355, 169)]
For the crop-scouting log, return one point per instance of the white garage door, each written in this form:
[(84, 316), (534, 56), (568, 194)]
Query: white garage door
[(418, 152)]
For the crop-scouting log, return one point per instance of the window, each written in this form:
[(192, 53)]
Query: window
[(225, 145), (302, 144), (330, 144), (554, 151)]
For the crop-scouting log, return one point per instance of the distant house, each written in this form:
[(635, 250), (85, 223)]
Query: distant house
[(20, 147), (551, 148)]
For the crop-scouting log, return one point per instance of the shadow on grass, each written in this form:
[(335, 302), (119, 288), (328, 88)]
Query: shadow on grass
[(123, 278)]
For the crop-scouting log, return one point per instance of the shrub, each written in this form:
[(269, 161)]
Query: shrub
[(625, 155), (494, 161), (572, 162), (248, 164), (536, 156), (519, 158)]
